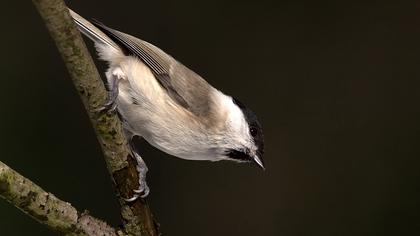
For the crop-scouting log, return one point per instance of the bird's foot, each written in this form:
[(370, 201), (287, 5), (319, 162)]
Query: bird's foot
[(110, 105), (143, 190)]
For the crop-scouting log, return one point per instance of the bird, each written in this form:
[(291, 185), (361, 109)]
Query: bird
[(170, 106)]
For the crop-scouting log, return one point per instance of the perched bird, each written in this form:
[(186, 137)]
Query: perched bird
[(170, 106)]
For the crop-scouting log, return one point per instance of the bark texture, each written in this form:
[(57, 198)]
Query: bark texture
[(47, 209), (136, 216)]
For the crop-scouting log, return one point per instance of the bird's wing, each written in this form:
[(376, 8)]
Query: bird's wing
[(184, 86), (91, 31)]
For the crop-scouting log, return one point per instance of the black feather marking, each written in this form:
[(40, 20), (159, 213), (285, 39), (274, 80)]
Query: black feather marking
[(254, 126), (239, 155)]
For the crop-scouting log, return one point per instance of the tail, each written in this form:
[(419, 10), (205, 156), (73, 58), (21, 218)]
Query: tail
[(91, 31)]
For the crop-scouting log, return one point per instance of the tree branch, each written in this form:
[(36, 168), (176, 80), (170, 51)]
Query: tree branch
[(46, 208), (137, 217)]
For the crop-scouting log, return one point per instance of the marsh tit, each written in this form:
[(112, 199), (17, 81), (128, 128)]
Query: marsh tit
[(169, 105)]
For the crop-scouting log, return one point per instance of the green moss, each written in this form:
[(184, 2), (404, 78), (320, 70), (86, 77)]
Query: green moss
[(4, 186), (93, 94), (39, 217), (28, 200)]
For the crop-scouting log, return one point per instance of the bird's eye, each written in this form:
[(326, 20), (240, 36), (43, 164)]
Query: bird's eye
[(253, 131)]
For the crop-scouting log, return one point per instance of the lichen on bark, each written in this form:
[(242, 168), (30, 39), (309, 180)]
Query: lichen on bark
[(45, 207), (108, 127)]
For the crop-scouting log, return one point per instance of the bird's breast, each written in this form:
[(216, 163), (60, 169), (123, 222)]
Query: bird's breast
[(153, 115)]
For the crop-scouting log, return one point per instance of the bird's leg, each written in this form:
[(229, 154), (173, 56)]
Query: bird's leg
[(142, 169), (113, 88)]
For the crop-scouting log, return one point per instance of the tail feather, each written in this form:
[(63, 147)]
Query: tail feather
[(91, 31)]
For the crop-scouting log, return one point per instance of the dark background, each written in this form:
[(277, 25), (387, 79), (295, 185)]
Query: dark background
[(335, 85)]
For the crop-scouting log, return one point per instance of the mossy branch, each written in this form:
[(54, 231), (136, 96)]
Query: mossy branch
[(47, 209), (137, 218)]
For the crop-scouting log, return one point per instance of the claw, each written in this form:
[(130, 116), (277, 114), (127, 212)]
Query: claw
[(111, 104), (132, 199), (139, 193), (109, 107), (143, 190), (146, 193)]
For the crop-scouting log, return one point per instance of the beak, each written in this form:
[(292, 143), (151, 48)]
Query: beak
[(259, 162)]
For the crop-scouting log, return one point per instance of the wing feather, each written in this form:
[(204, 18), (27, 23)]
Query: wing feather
[(183, 86), (139, 48)]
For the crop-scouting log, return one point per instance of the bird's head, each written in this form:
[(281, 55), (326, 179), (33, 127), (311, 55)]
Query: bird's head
[(243, 139)]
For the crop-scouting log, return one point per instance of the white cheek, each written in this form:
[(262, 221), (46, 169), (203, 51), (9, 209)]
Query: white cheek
[(236, 123)]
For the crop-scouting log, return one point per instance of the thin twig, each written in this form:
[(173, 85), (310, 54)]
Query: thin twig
[(47, 209), (137, 217)]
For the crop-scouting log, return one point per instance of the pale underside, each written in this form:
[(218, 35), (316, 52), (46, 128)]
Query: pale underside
[(151, 113)]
